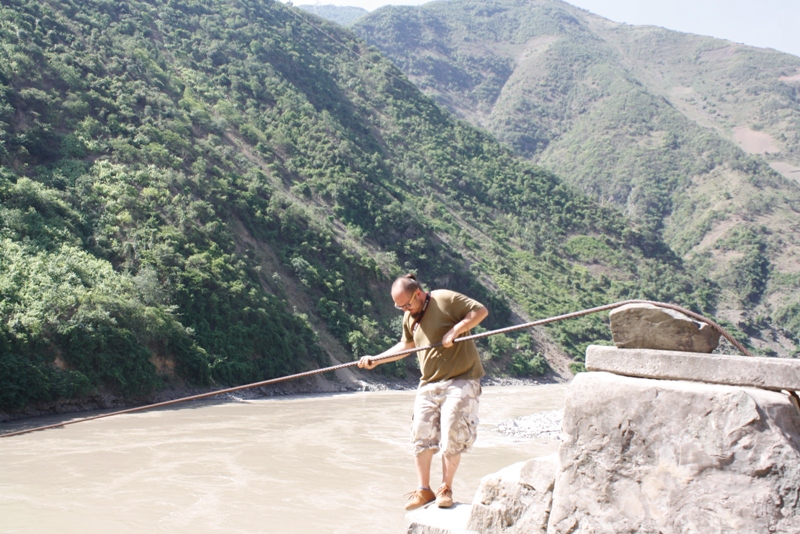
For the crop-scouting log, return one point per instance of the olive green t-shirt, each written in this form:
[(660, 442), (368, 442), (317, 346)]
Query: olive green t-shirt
[(461, 361)]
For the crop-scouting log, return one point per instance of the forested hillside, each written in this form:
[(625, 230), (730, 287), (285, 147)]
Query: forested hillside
[(212, 192), (696, 139)]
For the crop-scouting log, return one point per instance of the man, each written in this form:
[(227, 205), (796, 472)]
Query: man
[(446, 405)]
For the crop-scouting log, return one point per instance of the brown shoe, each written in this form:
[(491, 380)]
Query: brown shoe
[(444, 496), (419, 497)]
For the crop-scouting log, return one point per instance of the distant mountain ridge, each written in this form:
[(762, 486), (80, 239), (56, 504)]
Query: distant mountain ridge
[(696, 139)]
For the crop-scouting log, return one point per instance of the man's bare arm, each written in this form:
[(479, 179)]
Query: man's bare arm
[(367, 362), (471, 320)]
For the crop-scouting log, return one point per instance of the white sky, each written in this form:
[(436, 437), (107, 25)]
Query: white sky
[(763, 23)]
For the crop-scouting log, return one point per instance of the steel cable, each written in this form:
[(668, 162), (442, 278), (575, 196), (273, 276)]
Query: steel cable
[(406, 352)]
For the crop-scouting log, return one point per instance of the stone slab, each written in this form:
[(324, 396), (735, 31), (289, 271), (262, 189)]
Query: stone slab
[(433, 520), (748, 371)]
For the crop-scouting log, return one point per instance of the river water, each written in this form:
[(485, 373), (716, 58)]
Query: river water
[(315, 463)]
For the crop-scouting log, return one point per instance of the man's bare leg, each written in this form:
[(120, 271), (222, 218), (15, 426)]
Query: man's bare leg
[(449, 467), (423, 463)]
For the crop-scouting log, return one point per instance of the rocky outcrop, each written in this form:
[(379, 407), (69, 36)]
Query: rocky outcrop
[(658, 456), (515, 499), (645, 326)]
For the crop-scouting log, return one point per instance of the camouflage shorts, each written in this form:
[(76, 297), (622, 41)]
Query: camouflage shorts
[(446, 416)]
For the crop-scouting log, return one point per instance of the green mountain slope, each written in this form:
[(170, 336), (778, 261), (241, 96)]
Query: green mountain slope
[(688, 135), (216, 192)]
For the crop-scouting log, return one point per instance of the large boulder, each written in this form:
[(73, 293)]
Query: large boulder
[(515, 499), (645, 326), (643, 455)]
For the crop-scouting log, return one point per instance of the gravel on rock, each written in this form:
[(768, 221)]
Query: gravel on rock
[(538, 425)]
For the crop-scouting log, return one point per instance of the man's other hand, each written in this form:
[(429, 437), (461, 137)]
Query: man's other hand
[(366, 362)]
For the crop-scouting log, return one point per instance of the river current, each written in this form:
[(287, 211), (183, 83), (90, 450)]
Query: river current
[(298, 464)]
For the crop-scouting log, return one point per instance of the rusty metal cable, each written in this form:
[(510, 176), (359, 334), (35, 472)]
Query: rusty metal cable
[(406, 352)]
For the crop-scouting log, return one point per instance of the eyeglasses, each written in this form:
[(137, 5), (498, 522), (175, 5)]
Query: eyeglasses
[(407, 305)]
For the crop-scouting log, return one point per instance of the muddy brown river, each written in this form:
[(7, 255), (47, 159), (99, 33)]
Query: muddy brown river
[(314, 463)]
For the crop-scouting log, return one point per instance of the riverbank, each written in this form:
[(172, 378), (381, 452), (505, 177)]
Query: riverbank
[(352, 381)]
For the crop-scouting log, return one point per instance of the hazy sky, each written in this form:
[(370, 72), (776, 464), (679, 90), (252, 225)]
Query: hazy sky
[(764, 23)]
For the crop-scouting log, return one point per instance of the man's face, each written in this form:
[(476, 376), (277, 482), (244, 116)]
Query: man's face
[(409, 301)]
